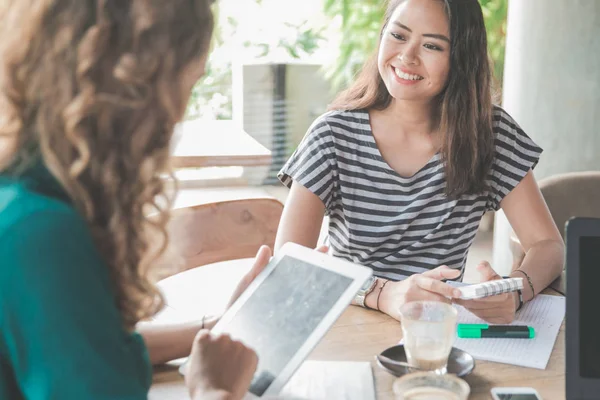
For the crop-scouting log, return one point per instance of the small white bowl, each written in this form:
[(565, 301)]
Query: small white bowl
[(429, 386)]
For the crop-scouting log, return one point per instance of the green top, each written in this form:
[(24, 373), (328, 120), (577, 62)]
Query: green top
[(61, 334)]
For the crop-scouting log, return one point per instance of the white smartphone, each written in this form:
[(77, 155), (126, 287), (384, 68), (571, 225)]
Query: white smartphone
[(515, 393)]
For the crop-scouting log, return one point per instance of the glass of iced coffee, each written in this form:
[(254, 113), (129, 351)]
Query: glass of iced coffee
[(429, 330)]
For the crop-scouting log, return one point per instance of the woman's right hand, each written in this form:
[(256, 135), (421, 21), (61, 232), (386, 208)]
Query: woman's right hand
[(425, 286), (219, 367)]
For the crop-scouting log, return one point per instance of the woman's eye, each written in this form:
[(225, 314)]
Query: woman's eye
[(432, 47), (398, 36)]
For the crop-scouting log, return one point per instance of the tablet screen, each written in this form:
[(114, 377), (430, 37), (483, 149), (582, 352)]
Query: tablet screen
[(589, 276), (278, 318), (510, 396)]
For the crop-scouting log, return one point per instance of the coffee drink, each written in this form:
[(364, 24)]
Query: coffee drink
[(429, 393)]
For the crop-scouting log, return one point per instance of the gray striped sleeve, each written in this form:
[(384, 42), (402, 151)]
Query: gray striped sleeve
[(515, 155), (313, 163)]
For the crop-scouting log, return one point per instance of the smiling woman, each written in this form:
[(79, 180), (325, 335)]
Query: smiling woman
[(409, 159), (415, 40), (408, 55)]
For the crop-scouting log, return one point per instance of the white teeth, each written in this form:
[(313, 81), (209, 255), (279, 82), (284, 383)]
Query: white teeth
[(409, 77)]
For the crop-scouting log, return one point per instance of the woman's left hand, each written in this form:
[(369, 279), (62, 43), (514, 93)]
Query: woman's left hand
[(498, 309), (169, 342), (260, 262)]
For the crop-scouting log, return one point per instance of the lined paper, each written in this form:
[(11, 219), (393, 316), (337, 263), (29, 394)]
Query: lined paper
[(545, 313)]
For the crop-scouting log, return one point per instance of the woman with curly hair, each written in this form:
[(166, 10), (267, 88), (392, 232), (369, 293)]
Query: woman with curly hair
[(90, 91)]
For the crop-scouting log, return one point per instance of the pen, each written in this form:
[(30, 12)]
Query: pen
[(476, 331)]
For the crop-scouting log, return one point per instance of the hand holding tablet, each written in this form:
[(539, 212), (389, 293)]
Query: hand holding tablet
[(288, 308)]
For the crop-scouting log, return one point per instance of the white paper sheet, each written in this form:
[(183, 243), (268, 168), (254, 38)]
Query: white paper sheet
[(326, 380), (545, 313), (314, 380)]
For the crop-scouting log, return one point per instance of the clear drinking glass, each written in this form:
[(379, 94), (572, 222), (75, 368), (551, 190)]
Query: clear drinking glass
[(429, 329)]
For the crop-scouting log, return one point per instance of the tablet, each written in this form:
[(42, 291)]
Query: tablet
[(288, 308)]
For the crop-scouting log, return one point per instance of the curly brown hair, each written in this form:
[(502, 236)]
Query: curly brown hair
[(92, 87)]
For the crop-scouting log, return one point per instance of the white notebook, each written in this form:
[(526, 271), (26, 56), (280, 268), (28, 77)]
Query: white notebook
[(545, 313)]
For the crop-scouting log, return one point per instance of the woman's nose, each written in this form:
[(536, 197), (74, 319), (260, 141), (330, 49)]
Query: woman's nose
[(408, 55)]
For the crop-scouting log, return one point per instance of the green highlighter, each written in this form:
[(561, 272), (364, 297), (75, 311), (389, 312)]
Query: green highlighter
[(478, 331)]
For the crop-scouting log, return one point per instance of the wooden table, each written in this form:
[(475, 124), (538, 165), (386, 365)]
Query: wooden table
[(206, 143), (358, 335)]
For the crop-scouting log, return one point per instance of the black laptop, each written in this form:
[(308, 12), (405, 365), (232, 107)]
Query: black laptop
[(583, 309)]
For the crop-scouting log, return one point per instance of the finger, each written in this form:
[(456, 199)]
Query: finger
[(481, 305), (224, 338), (323, 248), (436, 286), (244, 352), (251, 353), (495, 317), (498, 312), (492, 301), (202, 337), (260, 262), (430, 296), (203, 334), (486, 272), (253, 360), (443, 272), (425, 295)]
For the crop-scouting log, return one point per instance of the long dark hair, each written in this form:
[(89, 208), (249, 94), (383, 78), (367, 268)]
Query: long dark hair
[(463, 110)]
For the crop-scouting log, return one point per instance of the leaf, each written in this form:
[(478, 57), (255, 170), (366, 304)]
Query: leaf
[(345, 12), (360, 31), (329, 5), (265, 49)]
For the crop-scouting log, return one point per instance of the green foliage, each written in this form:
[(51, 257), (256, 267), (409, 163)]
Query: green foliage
[(361, 21), (212, 95), (213, 92), (360, 25), (305, 43), (494, 13)]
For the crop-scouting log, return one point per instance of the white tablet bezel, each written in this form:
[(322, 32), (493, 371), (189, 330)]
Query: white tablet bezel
[(357, 273)]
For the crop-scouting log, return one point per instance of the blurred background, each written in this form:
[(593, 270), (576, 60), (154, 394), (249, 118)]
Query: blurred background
[(276, 64)]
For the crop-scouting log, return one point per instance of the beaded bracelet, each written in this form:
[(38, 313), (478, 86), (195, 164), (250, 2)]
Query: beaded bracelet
[(379, 294), (520, 293), (528, 281)]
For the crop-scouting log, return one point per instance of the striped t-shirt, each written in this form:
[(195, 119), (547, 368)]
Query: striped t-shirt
[(399, 226)]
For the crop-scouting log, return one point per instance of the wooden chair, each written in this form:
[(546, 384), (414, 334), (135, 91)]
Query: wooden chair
[(575, 194), (222, 231)]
